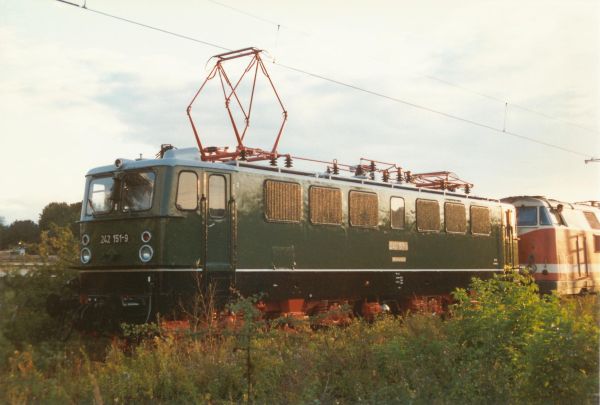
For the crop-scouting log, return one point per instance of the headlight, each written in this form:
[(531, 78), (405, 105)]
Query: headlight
[(85, 239), (146, 236), (85, 256), (146, 253)]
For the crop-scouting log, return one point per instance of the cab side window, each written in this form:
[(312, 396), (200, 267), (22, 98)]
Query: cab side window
[(544, 216), (187, 191), (216, 196), (592, 219)]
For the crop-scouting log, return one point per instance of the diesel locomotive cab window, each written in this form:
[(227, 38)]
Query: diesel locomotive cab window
[(138, 189), (480, 221), (363, 209), (216, 196), (283, 201), (592, 219), (325, 205), (397, 212), (527, 216), (187, 191), (544, 216), (455, 218), (99, 196), (428, 215)]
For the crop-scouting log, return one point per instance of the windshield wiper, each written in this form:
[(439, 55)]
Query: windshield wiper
[(89, 200)]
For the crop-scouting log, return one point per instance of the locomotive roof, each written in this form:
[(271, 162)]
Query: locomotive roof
[(551, 203), (190, 157), (173, 157)]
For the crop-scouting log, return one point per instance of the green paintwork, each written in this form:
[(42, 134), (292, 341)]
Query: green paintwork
[(178, 237)]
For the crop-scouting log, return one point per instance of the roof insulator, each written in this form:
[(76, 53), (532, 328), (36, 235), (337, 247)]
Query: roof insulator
[(336, 169)]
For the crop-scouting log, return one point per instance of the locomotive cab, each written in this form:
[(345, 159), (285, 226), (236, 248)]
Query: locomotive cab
[(559, 243), (144, 227)]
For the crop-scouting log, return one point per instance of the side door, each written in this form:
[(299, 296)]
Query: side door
[(219, 222)]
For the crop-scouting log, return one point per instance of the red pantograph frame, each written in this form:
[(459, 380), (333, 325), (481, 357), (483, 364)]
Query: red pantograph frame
[(243, 152), (366, 168)]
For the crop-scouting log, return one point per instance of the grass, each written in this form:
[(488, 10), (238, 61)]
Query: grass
[(511, 345)]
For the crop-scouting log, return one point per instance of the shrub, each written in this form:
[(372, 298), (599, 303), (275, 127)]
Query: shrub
[(502, 343)]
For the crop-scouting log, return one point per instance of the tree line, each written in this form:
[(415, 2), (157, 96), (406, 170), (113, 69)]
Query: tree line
[(28, 232)]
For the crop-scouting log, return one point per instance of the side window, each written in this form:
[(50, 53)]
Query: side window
[(544, 216), (428, 215), (397, 212), (596, 243), (325, 205), (283, 201), (363, 209), (216, 196), (455, 218), (187, 191), (526, 216), (480, 220), (592, 219)]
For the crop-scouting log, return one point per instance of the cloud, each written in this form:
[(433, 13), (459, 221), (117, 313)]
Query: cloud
[(74, 97)]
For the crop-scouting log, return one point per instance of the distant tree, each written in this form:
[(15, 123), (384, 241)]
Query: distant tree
[(60, 242), (2, 232), (60, 214), (21, 231)]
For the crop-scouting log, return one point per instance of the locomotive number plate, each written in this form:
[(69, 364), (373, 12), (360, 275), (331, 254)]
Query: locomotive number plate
[(114, 238)]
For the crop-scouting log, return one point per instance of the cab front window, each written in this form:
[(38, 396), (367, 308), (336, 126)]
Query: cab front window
[(527, 216), (138, 189), (99, 195), (545, 216), (124, 191)]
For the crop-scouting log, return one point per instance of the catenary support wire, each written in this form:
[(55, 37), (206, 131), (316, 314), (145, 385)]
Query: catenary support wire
[(340, 83)]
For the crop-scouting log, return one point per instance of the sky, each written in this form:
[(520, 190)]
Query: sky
[(79, 89)]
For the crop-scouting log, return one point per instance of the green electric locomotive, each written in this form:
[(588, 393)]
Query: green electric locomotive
[(302, 241)]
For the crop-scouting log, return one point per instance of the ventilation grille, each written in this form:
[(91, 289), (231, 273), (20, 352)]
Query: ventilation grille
[(325, 205), (283, 201), (455, 218), (363, 209), (480, 220), (428, 215)]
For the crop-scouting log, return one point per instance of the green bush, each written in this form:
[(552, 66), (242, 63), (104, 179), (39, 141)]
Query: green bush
[(502, 343), (515, 345), (23, 294)]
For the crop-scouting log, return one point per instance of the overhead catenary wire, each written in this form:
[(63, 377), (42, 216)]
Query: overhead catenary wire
[(429, 77), (338, 82), (511, 104), (164, 31), (434, 111)]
